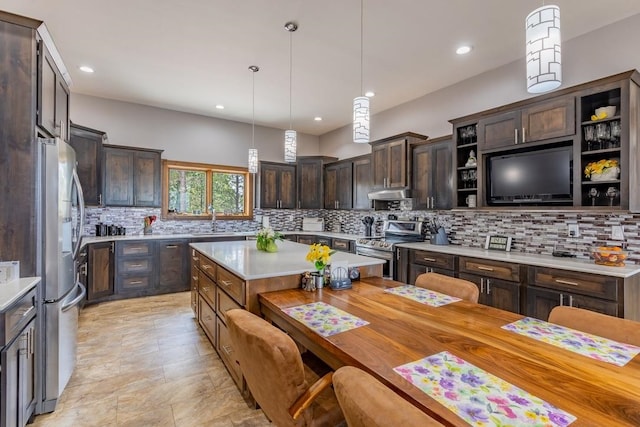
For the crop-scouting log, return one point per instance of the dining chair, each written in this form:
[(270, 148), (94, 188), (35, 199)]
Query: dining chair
[(451, 286), (614, 328), (272, 367), (366, 402)]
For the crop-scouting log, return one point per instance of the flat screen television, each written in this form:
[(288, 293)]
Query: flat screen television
[(541, 177)]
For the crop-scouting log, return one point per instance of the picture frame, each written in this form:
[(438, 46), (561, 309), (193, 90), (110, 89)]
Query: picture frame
[(498, 243), (9, 271)]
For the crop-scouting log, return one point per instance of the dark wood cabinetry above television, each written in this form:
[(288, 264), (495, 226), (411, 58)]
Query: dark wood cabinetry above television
[(562, 133)]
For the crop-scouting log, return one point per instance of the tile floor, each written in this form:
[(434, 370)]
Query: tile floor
[(145, 362)]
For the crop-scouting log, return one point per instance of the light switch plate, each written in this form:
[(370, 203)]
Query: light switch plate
[(574, 231), (616, 232)]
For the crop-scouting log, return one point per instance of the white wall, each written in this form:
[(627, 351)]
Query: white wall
[(182, 136), (609, 50)]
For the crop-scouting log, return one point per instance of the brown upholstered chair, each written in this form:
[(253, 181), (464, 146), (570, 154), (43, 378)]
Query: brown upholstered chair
[(451, 286), (366, 402), (614, 328), (272, 366)]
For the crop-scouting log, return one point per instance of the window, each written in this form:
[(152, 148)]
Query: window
[(192, 190)]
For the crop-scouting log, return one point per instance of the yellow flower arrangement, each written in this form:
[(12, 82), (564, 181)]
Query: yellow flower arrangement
[(599, 166), (319, 255)]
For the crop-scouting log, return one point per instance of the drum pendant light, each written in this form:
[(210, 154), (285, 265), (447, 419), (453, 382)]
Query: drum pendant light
[(361, 103), (544, 68), (290, 136), (253, 152)]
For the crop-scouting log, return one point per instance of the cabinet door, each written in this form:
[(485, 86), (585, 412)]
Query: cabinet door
[(27, 374), (62, 109), (310, 189), (540, 302), (100, 280), (47, 91), (442, 175), (549, 119), (173, 257), (362, 183), (306, 240), (287, 187), (269, 191), (380, 160), (499, 131), (146, 179), (344, 190), (330, 187), (88, 147), (502, 294), (422, 163), (118, 177), (397, 164)]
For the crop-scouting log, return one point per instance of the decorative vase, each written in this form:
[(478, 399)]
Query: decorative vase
[(318, 278), (608, 174), (271, 246), (148, 229), (260, 245)]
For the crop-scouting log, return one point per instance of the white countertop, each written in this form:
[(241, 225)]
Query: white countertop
[(246, 261), (12, 291), (573, 264)]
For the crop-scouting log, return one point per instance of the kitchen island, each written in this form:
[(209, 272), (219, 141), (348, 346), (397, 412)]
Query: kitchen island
[(231, 274)]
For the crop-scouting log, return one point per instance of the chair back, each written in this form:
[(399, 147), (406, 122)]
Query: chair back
[(614, 328), (451, 286), (366, 402), (270, 363)]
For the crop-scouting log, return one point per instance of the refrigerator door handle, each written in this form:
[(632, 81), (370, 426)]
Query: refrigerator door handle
[(76, 180), (83, 292)]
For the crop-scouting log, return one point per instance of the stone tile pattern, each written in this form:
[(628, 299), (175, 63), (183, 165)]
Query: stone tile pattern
[(532, 231), (145, 362)]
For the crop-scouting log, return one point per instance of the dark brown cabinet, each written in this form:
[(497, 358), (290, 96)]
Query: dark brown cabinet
[(420, 262), (131, 176), (173, 265), (87, 144), (135, 262), (362, 183), (338, 185), (432, 176), (53, 94), (277, 185), (310, 181), (306, 240), (389, 158), (495, 292), (100, 278)]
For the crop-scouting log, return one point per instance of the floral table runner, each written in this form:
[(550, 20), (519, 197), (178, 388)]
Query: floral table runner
[(325, 319), (477, 396), (589, 345), (422, 295)]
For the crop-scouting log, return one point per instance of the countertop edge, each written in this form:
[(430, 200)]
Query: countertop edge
[(12, 291)]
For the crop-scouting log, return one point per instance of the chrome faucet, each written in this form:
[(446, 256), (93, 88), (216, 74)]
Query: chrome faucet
[(213, 220)]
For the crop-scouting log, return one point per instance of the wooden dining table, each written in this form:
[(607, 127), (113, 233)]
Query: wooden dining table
[(401, 331)]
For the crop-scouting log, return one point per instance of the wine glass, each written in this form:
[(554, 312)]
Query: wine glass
[(471, 133), (465, 178), (589, 136), (603, 134), (593, 193), (612, 193), (473, 178), (615, 132), (464, 134)]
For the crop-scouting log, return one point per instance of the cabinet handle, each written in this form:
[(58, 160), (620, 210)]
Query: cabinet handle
[(482, 285), (566, 282), (482, 267), (524, 135), (488, 286), (135, 282), (194, 278), (100, 199), (338, 204), (33, 341), (227, 349), (112, 247), (515, 136), (206, 266), (433, 202), (171, 246), (427, 203), (135, 265), (226, 283), (561, 300), (299, 204), (429, 259), (195, 258)]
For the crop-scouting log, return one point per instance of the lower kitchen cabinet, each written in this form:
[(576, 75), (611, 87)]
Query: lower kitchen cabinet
[(173, 268), (429, 262), (100, 271), (343, 245), (306, 239), (496, 292)]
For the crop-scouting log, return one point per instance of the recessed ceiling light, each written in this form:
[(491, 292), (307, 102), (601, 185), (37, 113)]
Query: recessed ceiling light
[(317, 119), (462, 50), (370, 94), (86, 69), (220, 107)]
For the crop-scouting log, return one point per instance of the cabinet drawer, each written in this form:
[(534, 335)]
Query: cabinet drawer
[(134, 265), (133, 283), (342, 245), (207, 289), (432, 259), (225, 350), (16, 317), (581, 283), (135, 248), (195, 258), (207, 319), (224, 303), (207, 266), (231, 284), (490, 268)]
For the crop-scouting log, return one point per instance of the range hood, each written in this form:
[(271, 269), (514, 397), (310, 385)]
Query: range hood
[(390, 194)]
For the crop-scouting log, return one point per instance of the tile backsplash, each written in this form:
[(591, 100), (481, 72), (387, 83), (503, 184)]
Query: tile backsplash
[(531, 231)]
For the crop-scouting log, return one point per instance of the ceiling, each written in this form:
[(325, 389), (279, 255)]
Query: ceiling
[(193, 54)]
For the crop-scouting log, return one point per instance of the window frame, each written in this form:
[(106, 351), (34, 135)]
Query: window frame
[(209, 169)]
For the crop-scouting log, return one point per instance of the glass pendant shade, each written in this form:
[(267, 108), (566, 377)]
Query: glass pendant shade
[(361, 119), (544, 70), (253, 160), (290, 145)]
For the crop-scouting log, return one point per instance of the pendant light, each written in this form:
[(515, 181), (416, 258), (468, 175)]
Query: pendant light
[(361, 103), (253, 152), (290, 136), (544, 67)]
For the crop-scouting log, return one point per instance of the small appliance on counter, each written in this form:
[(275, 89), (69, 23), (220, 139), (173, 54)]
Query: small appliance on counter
[(312, 224), (368, 225)]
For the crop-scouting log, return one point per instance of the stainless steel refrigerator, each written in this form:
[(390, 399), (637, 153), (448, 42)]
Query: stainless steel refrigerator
[(60, 224)]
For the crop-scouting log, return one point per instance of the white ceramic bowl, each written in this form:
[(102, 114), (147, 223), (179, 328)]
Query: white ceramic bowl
[(609, 110)]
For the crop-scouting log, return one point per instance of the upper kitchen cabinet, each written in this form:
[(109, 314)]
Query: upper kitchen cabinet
[(338, 185), (432, 179), (543, 120), (362, 182), (131, 176), (310, 181), (53, 89), (277, 185), (87, 144), (389, 158), (20, 82)]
